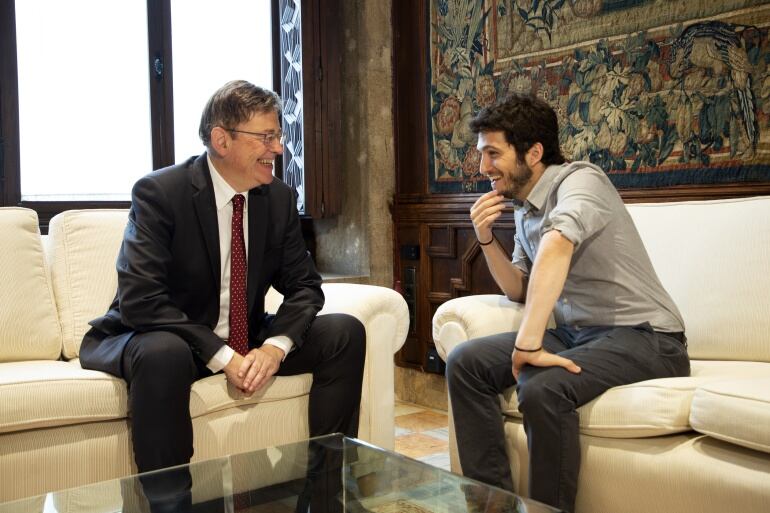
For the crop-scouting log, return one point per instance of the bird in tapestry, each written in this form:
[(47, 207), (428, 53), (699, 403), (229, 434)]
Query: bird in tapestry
[(715, 47)]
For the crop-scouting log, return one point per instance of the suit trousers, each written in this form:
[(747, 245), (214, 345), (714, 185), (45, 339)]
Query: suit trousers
[(160, 369), (480, 369)]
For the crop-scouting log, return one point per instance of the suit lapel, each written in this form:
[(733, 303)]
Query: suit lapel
[(259, 202), (206, 211)]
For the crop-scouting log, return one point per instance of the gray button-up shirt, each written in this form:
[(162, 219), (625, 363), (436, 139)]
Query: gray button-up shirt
[(611, 281)]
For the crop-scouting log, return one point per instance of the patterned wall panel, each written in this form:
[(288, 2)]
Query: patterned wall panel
[(291, 93), (658, 94)]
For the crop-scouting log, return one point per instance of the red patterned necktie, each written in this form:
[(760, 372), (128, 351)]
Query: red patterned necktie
[(239, 327)]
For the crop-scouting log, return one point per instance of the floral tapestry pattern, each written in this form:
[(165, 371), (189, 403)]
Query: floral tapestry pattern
[(657, 93)]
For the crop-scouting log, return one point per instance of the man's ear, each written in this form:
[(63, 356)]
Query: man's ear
[(220, 140), (534, 154)]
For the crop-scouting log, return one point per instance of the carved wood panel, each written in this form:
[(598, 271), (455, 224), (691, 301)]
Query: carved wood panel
[(439, 259)]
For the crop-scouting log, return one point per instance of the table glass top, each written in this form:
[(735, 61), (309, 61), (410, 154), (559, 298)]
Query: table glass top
[(320, 475)]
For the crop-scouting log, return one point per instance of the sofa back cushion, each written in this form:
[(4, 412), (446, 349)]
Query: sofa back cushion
[(29, 328), (82, 249), (713, 257)]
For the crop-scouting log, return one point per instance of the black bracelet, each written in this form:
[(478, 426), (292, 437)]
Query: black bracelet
[(527, 350), (487, 243)]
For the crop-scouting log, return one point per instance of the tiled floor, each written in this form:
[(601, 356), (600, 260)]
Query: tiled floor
[(422, 433)]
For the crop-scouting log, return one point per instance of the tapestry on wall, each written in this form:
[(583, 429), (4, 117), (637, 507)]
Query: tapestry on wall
[(656, 92)]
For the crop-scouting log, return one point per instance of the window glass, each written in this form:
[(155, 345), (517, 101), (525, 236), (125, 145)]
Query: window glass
[(213, 44), (84, 108)]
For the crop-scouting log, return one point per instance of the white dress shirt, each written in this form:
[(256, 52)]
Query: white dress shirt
[(223, 196)]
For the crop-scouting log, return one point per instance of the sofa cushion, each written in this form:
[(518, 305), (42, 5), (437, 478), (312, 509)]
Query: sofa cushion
[(214, 394), (38, 394), (736, 411), (28, 322), (650, 408), (83, 247), (722, 296)]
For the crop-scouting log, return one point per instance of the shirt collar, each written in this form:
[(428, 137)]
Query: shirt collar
[(539, 193), (223, 193)]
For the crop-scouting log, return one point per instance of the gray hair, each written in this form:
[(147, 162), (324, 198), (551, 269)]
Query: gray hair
[(235, 102)]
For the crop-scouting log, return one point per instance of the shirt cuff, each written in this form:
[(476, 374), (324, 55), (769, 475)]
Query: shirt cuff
[(281, 342), (221, 358)]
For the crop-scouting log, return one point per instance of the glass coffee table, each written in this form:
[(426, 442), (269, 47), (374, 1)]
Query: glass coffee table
[(321, 475)]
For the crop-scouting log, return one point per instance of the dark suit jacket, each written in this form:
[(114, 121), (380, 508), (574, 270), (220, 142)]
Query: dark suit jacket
[(169, 267)]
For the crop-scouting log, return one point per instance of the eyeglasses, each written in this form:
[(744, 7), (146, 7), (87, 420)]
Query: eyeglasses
[(265, 138)]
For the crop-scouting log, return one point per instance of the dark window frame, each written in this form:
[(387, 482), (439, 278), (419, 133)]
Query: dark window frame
[(321, 69), (161, 109)]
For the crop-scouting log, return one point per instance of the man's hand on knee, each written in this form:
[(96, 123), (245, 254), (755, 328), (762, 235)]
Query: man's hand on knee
[(259, 366), (232, 369), (540, 358)]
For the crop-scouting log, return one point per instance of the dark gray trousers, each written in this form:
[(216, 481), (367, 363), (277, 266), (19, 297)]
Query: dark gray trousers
[(480, 369), (160, 368)]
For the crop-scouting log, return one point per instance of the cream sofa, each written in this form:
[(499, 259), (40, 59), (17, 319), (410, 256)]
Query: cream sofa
[(699, 444), (62, 426)]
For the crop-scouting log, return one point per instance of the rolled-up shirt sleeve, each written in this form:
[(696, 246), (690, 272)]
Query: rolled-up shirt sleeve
[(582, 209)]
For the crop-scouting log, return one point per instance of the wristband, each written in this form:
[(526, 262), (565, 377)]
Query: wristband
[(527, 350), (487, 243)]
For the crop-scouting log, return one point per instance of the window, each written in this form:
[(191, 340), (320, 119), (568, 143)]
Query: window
[(82, 103), (211, 46), (92, 97)]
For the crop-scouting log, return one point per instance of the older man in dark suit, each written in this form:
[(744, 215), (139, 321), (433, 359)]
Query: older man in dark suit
[(204, 242)]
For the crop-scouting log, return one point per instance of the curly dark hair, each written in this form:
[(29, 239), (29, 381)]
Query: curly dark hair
[(525, 120)]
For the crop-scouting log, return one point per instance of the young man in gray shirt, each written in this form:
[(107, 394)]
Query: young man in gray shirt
[(579, 257)]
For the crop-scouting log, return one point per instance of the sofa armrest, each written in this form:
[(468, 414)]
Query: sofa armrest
[(464, 318), (375, 307), (384, 314)]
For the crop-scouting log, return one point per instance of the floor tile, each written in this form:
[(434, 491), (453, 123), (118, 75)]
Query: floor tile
[(422, 433), (407, 408), (422, 421), (418, 445), (440, 433), (440, 460), (402, 431)]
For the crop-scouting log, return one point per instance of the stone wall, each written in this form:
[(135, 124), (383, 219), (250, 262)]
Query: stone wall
[(358, 243)]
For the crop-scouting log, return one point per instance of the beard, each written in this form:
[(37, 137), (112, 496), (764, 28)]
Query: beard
[(518, 180)]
